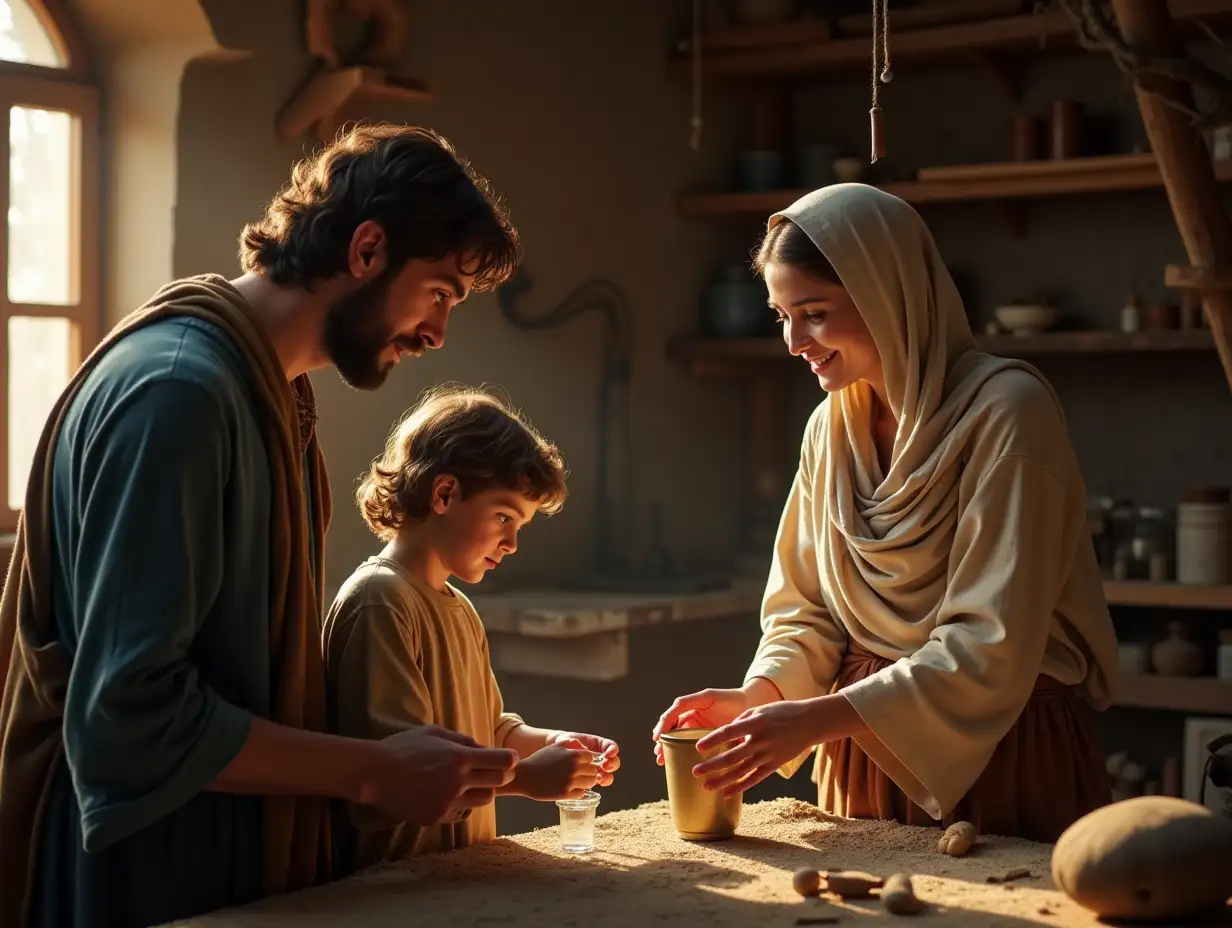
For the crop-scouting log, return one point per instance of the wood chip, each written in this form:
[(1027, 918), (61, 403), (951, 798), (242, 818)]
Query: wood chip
[(1015, 873)]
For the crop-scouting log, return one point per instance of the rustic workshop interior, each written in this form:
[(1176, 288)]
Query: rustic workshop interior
[(1071, 158)]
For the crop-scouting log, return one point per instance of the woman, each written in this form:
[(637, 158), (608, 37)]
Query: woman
[(934, 618)]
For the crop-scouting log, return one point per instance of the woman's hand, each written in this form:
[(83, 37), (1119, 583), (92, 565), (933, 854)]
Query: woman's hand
[(712, 709), (769, 736)]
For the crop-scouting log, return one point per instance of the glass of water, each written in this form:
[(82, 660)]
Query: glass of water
[(577, 823)]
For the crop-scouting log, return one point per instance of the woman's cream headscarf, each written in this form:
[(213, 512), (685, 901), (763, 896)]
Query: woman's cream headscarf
[(888, 262), (968, 611)]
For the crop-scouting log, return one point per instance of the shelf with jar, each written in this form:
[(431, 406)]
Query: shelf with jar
[(1172, 553), (764, 173), (1132, 776), (1171, 673), (1182, 563), (1065, 150), (750, 40)]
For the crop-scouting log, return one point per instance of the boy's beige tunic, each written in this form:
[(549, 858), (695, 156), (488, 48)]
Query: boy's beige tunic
[(400, 654), (969, 563)]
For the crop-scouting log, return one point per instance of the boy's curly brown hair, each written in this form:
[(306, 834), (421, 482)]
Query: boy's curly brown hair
[(427, 199), (470, 434)]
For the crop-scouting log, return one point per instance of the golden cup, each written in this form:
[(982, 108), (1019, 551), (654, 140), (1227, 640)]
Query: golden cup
[(697, 814)]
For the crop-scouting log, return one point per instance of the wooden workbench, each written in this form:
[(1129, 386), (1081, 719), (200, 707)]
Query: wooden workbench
[(643, 876)]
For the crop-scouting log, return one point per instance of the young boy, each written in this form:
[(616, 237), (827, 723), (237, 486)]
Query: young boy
[(460, 475)]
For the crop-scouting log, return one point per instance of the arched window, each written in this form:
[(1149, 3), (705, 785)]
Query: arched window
[(50, 311)]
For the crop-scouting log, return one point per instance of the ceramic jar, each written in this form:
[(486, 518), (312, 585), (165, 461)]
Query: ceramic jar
[(763, 170), (735, 305), (1176, 655), (1204, 536), (1223, 662)]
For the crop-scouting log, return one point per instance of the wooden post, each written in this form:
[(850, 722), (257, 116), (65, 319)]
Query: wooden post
[(1184, 163)]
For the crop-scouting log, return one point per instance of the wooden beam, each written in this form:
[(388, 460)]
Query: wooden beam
[(319, 101), (387, 30), (1184, 163), (1195, 278), (319, 33)]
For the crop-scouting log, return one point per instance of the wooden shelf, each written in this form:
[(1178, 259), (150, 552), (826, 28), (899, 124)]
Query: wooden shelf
[(1066, 343), (1021, 35), (1168, 595), (1029, 180), (719, 357), (1199, 695)]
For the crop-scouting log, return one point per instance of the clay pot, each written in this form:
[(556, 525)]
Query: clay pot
[(735, 305), (1066, 129), (1176, 655), (1027, 135), (1162, 316)]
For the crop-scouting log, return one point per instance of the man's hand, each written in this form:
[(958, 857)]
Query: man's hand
[(559, 771), (606, 751), (430, 775)]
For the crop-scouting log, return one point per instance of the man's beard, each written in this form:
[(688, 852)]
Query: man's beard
[(358, 332)]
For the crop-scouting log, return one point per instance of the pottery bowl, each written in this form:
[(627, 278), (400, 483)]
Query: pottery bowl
[(1026, 320), (849, 170)]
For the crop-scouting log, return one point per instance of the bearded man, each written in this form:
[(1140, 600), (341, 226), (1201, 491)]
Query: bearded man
[(163, 745)]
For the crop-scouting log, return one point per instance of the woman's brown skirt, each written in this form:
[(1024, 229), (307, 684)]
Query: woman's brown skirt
[(1047, 772)]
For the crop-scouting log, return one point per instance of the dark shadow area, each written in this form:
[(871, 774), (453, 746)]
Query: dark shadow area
[(1221, 919)]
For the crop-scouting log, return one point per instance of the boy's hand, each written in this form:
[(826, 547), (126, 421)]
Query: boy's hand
[(558, 771), (607, 752), (430, 775)]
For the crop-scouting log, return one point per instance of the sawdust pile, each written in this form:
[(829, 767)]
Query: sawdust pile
[(642, 875)]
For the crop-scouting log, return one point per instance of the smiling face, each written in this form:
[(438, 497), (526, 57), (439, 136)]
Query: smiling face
[(396, 312), (822, 325), (473, 534)]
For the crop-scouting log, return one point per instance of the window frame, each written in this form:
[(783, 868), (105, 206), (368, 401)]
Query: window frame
[(71, 89)]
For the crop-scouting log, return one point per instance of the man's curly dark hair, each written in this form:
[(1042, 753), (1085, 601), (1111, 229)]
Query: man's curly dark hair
[(428, 200)]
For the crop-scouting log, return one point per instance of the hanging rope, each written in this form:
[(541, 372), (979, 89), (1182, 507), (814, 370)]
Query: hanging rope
[(881, 44)]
